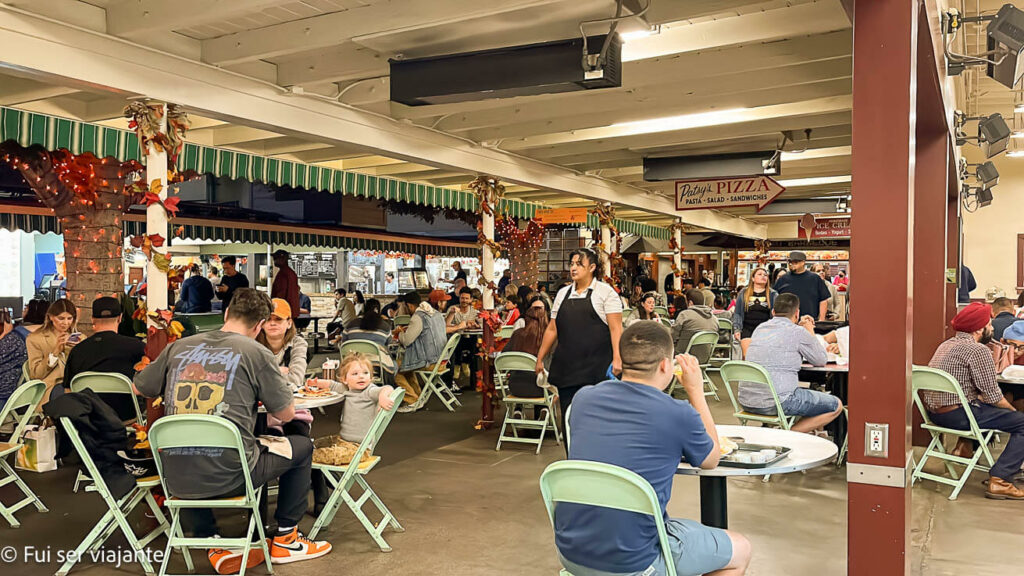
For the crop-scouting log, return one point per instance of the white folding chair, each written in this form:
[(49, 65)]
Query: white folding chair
[(25, 399)]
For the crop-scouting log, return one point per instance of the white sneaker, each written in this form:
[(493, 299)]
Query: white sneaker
[(406, 409)]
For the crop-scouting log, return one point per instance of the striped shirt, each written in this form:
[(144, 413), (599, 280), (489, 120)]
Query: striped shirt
[(970, 362)]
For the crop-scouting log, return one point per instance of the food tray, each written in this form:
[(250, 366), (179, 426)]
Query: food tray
[(732, 462), (741, 446)]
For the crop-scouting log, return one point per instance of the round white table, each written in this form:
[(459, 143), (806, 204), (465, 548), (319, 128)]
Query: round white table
[(806, 451)]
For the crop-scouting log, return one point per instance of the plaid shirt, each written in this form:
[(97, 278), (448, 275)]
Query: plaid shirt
[(970, 362)]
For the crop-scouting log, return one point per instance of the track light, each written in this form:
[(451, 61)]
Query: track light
[(993, 132), (1003, 60), (987, 175)]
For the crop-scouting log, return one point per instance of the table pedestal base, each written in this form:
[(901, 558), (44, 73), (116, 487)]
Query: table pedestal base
[(714, 502)]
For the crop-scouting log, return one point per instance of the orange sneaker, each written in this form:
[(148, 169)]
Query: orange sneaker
[(294, 547), (230, 561)]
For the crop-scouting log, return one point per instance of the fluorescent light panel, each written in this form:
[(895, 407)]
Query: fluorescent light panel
[(818, 181)]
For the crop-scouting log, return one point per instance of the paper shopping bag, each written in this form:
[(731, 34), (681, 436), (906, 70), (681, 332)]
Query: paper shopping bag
[(39, 452)]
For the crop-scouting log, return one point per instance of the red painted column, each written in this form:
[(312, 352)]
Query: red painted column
[(884, 133), (931, 175), (952, 252)]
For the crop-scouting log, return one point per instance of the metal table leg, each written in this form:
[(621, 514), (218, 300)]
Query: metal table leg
[(714, 502)]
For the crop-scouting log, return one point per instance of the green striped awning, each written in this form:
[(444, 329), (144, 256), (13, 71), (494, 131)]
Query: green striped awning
[(79, 137), (303, 238), (222, 233), (29, 223)]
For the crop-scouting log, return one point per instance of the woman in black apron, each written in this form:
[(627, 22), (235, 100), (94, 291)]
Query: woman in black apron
[(590, 344)]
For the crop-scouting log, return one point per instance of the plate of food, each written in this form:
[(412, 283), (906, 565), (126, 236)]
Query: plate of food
[(310, 392)]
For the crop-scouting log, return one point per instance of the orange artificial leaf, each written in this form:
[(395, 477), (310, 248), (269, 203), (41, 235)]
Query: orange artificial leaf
[(179, 231), (156, 239), (137, 241), (149, 199), (165, 315), (141, 364), (156, 187), (171, 205)]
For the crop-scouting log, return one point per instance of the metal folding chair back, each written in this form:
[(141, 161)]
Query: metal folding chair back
[(702, 346), (107, 383), (20, 407), (191, 431), (371, 349), (666, 322), (432, 383), (505, 332), (606, 486), (627, 313), (928, 379), (736, 371), (661, 311), (341, 479), (515, 419), (117, 513), (722, 352), (402, 320)]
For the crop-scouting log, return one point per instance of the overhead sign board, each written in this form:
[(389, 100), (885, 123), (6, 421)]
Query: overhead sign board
[(561, 215), (704, 193), (831, 228)]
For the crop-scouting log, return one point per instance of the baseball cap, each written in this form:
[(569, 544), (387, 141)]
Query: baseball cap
[(1014, 331), (106, 307), (281, 309), (797, 256), (279, 253)]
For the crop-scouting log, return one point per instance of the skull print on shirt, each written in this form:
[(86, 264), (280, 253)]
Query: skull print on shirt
[(198, 388)]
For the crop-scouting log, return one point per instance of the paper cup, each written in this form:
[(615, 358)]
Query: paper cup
[(757, 458), (769, 454)]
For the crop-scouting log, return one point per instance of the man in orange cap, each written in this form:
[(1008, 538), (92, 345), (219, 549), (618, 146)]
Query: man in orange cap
[(966, 357)]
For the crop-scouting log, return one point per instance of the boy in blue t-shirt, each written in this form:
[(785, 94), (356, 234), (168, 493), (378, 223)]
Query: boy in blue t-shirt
[(633, 424)]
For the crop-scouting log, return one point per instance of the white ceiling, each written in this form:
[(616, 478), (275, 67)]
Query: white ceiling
[(728, 75)]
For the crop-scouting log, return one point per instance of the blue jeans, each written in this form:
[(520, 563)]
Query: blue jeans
[(802, 402), (696, 549), (1008, 421)]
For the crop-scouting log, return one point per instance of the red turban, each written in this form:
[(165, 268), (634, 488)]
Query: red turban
[(973, 317)]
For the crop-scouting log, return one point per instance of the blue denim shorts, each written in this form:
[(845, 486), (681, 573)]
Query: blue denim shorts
[(803, 402), (696, 549)]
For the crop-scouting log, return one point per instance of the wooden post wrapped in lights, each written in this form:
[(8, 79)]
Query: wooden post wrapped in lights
[(522, 247), (88, 195), (609, 249)]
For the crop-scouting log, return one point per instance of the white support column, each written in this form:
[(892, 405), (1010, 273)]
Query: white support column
[(677, 259), (487, 260), (156, 222)]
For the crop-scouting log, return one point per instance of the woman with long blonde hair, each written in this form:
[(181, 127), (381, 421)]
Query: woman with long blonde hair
[(753, 307), (49, 345)]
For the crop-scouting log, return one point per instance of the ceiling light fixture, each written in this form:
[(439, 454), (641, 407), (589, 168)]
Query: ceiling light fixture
[(630, 36), (685, 121), (818, 181)]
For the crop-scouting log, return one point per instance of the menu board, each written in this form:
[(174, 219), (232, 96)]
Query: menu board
[(314, 265)]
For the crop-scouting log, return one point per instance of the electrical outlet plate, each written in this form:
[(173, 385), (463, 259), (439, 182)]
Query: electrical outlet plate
[(876, 440)]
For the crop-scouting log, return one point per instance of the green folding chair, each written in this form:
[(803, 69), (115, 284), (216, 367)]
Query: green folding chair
[(432, 382), (627, 313), (402, 320), (21, 407), (118, 510), (341, 479), (705, 339), (515, 406), (666, 322), (505, 332), (104, 383), (736, 371), (607, 486), (934, 380), (191, 431), (661, 311), (371, 349), (722, 351)]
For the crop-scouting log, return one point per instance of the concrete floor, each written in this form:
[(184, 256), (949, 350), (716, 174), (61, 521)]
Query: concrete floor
[(470, 510)]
